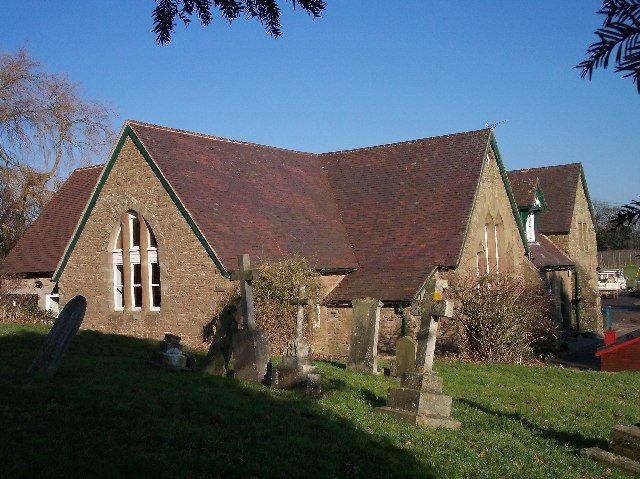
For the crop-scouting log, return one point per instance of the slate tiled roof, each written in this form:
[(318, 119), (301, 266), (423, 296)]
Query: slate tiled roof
[(246, 198), (395, 212), (546, 255), (42, 245), (559, 184), (406, 207), (523, 187)]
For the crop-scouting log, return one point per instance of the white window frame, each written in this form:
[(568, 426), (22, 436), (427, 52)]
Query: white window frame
[(132, 247), (495, 237), (47, 300), (152, 284), (530, 227), (115, 285), (486, 246), (132, 265)]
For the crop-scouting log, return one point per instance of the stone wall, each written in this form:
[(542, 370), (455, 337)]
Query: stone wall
[(191, 284), (581, 246)]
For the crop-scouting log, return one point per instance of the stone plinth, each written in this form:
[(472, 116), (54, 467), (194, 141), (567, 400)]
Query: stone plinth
[(625, 449), (419, 401), (250, 355)]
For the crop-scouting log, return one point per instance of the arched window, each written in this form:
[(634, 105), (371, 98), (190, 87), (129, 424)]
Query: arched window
[(136, 271)]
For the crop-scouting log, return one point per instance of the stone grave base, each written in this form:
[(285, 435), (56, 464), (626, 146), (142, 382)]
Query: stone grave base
[(292, 372), (419, 401), (625, 449), (170, 355), (251, 354)]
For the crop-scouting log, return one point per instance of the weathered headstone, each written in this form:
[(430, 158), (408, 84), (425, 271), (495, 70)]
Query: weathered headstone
[(251, 351), (363, 347), (171, 356), (219, 355), (57, 341), (405, 362), (419, 399), (296, 365), (624, 449)]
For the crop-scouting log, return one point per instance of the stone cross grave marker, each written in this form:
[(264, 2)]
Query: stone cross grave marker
[(296, 367), (251, 351), (419, 399), (57, 341), (246, 276), (363, 347)]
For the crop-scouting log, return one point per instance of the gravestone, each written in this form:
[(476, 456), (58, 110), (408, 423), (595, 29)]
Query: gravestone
[(57, 341), (219, 354), (405, 362), (296, 365), (170, 355), (363, 347), (624, 449), (251, 351), (419, 399)]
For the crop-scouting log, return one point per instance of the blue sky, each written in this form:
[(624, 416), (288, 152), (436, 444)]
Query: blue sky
[(368, 72)]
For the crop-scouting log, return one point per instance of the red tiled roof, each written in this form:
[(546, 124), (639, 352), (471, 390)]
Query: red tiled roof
[(44, 242), (559, 184), (246, 198), (546, 255), (406, 207)]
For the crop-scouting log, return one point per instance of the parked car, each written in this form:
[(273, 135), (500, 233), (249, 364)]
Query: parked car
[(608, 283), (619, 273)]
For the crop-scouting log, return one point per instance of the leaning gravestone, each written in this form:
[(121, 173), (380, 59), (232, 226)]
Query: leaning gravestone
[(251, 351), (363, 347), (405, 362), (57, 341)]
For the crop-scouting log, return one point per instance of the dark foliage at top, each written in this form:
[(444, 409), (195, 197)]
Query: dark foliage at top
[(628, 215), (620, 33), (266, 11)]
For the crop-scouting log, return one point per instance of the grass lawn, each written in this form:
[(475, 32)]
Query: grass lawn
[(107, 413)]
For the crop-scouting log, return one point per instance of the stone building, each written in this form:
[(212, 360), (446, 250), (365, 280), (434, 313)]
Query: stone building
[(149, 238), (560, 226)]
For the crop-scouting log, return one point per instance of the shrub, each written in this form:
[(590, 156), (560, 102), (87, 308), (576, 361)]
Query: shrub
[(272, 295), (501, 318), (21, 309)]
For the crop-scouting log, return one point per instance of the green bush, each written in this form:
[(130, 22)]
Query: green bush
[(16, 309)]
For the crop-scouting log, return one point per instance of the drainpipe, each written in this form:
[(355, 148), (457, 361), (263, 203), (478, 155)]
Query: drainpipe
[(578, 299)]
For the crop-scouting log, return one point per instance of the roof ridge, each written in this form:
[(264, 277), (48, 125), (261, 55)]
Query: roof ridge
[(214, 137), (83, 168), (404, 142), (545, 167)]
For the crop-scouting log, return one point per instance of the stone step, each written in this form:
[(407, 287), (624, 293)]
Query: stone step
[(625, 441), (416, 419), (624, 463)]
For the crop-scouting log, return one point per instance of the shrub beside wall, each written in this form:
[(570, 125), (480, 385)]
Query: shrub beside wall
[(501, 319)]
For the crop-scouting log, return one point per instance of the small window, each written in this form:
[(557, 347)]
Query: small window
[(531, 232), (135, 231), (136, 285), (118, 275), (155, 286), (153, 244)]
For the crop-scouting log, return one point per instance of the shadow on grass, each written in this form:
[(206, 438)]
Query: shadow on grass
[(561, 437), (373, 399), (107, 412)]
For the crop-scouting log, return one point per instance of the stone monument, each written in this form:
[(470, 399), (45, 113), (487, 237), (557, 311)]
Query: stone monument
[(296, 368), (624, 449), (251, 352), (363, 347), (406, 349), (171, 356), (419, 399), (219, 354), (57, 341)]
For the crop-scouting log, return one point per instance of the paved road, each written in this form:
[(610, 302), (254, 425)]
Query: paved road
[(625, 312)]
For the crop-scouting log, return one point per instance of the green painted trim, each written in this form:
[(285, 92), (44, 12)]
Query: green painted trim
[(514, 207), (128, 133), (540, 195), (586, 193)]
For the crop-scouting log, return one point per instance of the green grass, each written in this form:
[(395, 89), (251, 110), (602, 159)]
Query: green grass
[(631, 272), (107, 413)]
